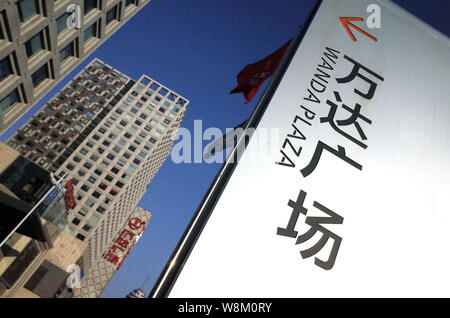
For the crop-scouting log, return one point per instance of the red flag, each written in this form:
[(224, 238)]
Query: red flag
[(68, 196), (253, 76)]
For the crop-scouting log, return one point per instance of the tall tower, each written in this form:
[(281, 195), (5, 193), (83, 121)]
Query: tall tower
[(110, 134), (38, 47)]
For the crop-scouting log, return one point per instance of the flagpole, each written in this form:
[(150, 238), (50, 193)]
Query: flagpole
[(184, 247)]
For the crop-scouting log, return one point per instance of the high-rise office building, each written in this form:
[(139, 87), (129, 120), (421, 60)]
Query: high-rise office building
[(110, 134), (38, 47)]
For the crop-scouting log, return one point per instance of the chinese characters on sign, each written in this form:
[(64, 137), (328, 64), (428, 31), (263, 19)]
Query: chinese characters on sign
[(354, 119), (315, 224), (125, 242)]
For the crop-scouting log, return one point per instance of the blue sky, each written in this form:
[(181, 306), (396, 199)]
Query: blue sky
[(197, 48)]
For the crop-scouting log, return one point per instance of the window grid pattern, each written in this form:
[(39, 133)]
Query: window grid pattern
[(111, 137), (42, 23)]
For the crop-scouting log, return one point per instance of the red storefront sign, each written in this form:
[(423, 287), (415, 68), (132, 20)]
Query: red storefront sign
[(125, 242)]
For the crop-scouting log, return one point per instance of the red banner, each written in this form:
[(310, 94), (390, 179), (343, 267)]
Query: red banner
[(68, 196)]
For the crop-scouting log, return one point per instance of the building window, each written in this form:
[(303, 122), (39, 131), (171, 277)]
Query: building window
[(61, 22), (27, 9), (5, 68), (66, 52), (40, 75), (142, 154), (9, 101), (80, 237), (90, 32), (76, 221), (93, 158), (35, 44), (119, 184), (83, 212), (111, 15), (128, 2), (89, 5), (93, 219), (100, 209), (86, 228)]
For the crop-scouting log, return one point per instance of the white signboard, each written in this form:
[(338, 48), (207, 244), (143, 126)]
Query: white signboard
[(355, 202)]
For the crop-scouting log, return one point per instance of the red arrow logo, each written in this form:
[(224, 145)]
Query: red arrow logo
[(346, 23)]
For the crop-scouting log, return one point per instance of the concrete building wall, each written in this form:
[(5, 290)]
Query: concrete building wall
[(14, 34), (8, 155)]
